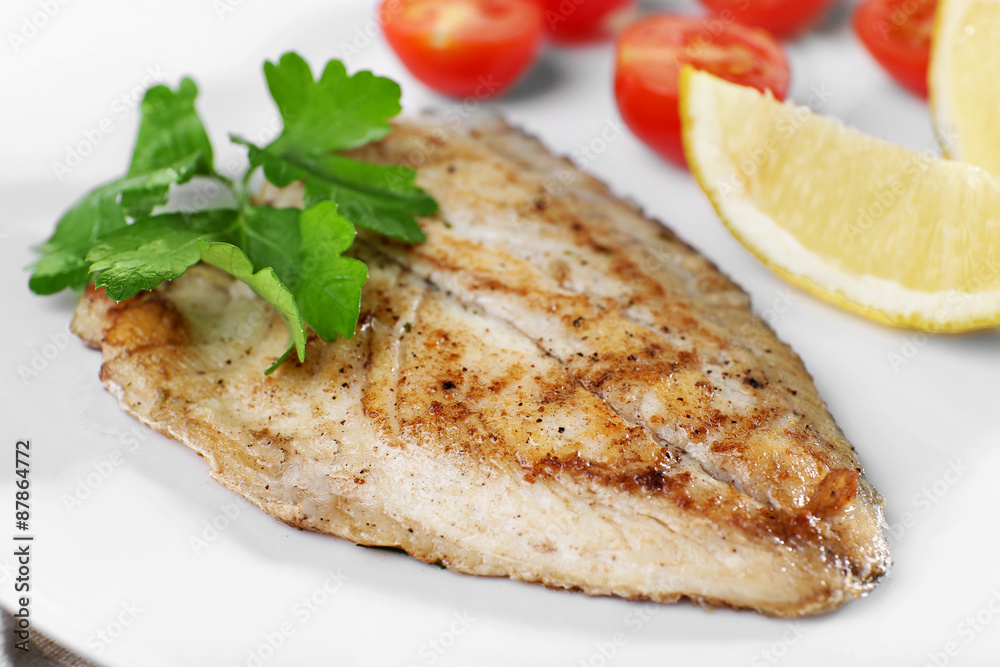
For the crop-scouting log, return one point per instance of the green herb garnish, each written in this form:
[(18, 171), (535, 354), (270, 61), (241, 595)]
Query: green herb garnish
[(120, 237)]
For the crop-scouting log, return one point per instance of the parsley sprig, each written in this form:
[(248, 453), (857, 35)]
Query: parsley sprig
[(124, 237)]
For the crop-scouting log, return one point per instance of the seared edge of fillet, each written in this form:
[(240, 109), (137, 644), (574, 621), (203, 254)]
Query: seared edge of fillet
[(551, 388)]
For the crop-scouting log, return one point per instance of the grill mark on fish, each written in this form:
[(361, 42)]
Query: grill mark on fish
[(759, 419), (523, 293), (593, 371), (597, 399), (766, 521), (684, 359)]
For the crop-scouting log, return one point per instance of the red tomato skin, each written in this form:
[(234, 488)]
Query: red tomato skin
[(651, 109), (652, 114), (883, 27), (782, 18), (577, 22), (475, 66)]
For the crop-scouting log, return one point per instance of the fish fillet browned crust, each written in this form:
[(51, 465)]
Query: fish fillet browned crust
[(552, 388)]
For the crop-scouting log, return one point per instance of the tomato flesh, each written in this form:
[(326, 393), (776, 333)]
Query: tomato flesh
[(583, 21), (782, 18), (898, 35), (464, 48), (650, 55)]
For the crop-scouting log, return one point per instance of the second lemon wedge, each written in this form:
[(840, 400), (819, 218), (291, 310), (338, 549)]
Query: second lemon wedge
[(964, 80)]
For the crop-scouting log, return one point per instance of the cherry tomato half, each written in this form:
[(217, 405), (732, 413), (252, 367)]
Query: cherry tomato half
[(898, 35), (651, 53), (583, 21), (464, 47), (782, 18)]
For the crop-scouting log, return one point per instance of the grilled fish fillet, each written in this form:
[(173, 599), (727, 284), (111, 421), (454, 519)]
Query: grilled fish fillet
[(552, 388)]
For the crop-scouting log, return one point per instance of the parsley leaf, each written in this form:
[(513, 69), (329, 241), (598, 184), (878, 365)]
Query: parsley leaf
[(172, 147), (270, 237), (382, 198), (293, 259), (335, 113), (329, 294), (63, 263), (170, 132), (264, 282), (144, 254)]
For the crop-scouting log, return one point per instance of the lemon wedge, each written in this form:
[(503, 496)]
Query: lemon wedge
[(964, 81), (896, 235)]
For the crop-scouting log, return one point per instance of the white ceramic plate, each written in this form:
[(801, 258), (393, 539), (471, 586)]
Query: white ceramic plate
[(140, 559)]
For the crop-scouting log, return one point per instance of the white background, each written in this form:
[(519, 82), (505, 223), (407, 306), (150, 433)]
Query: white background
[(914, 406)]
